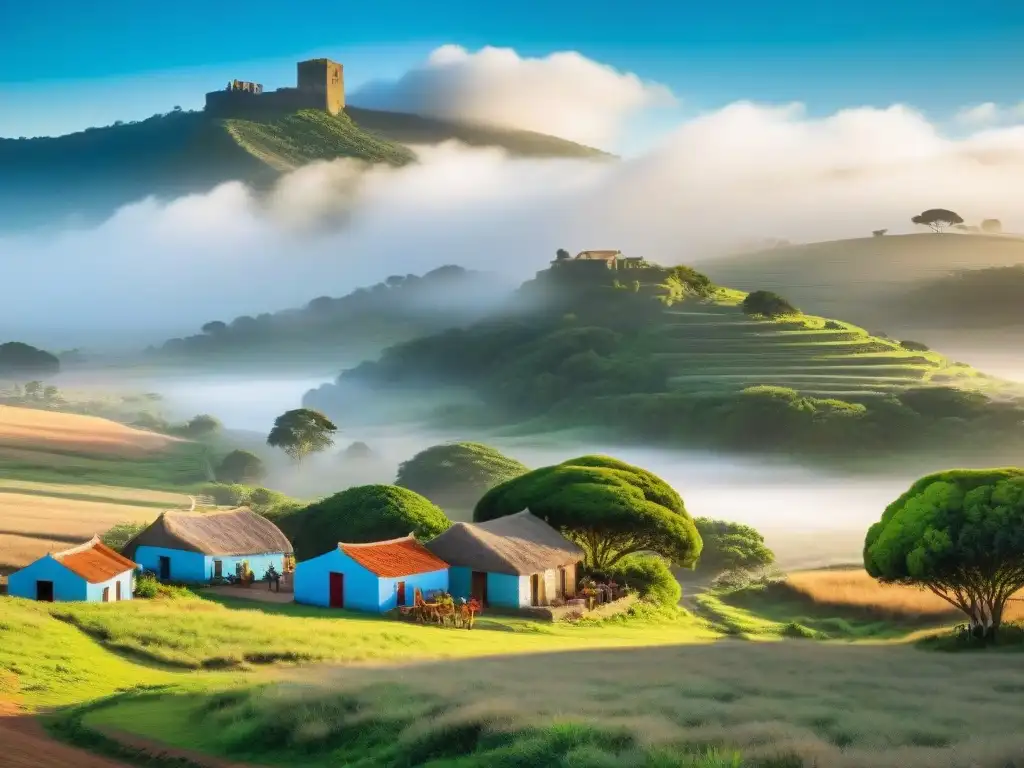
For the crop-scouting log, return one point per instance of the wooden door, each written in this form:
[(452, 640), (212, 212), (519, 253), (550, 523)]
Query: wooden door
[(165, 568), (337, 590), (561, 582), (218, 569), (535, 589), (44, 591), (106, 594), (400, 589), (117, 591), (478, 587)]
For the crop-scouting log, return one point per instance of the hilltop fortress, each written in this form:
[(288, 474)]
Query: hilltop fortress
[(320, 85)]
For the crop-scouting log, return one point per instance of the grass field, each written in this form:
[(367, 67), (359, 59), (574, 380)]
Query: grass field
[(658, 691), (792, 703), (860, 278), (61, 448), (65, 477), (839, 603)]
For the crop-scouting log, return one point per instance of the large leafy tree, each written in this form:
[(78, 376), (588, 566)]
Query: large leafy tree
[(301, 432), (457, 474), (359, 515), (610, 508), (731, 546), (959, 534)]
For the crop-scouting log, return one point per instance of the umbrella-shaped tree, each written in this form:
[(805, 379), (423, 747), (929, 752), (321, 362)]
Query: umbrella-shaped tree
[(301, 432), (608, 507), (959, 534)]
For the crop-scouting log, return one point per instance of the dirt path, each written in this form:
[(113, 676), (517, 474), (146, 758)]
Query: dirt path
[(26, 744)]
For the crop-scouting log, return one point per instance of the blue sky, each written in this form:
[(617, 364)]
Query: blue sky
[(67, 65)]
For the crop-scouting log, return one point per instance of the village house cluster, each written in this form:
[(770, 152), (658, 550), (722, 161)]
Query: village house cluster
[(514, 562)]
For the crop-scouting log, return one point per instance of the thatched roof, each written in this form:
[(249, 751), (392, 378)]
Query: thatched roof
[(395, 557), (518, 544), (230, 532), (94, 561)]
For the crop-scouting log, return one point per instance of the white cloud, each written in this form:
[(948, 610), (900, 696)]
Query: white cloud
[(741, 173), (989, 113), (564, 94)]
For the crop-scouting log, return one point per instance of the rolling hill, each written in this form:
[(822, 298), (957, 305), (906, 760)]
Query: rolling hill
[(865, 279), (676, 360), (87, 175)]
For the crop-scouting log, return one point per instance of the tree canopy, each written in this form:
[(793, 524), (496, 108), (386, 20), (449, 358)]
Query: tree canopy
[(242, 467), (731, 546), (457, 474), (768, 304), (358, 451), (992, 226), (359, 515), (19, 359), (937, 218), (203, 424), (959, 534), (610, 508), (301, 432)]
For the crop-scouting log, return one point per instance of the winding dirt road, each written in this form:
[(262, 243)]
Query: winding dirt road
[(25, 744)]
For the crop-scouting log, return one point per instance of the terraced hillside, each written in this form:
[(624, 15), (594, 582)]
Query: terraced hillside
[(713, 348), (675, 359)]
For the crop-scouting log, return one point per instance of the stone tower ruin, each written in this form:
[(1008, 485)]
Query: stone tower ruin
[(326, 77)]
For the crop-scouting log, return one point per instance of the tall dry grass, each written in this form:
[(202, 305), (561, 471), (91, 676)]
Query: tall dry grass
[(855, 589), (819, 704)]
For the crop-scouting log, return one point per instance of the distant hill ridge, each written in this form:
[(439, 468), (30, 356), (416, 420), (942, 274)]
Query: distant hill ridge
[(95, 171)]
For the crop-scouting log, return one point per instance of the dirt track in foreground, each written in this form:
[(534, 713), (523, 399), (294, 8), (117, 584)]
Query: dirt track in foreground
[(25, 744)]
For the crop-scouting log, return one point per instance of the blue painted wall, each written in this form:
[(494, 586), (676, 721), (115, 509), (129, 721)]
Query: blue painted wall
[(196, 567), (364, 591), (506, 591), (432, 581), (460, 581), (313, 585), (95, 591), (185, 566), (258, 564), (66, 584)]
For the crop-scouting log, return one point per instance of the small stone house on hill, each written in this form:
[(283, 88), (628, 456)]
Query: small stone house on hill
[(90, 572), (516, 561), (199, 546), (375, 577)]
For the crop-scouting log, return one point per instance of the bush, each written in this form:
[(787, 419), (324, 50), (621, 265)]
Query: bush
[(914, 346), (240, 467), (650, 575), (768, 304), (731, 546), (359, 515), (457, 474), (149, 587), (120, 534)]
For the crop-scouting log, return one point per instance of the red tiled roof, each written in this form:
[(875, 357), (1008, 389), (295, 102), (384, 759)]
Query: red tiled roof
[(397, 557), (94, 561)]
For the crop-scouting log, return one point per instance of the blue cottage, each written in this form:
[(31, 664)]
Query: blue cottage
[(373, 577), (90, 572), (196, 547), (516, 561)]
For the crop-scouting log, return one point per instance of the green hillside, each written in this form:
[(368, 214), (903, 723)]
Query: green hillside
[(864, 279), (675, 359), (88, 175)]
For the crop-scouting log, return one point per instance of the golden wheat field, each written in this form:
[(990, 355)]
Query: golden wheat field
[(841, 705), (32, 524), (853, 588), (28, 428)]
